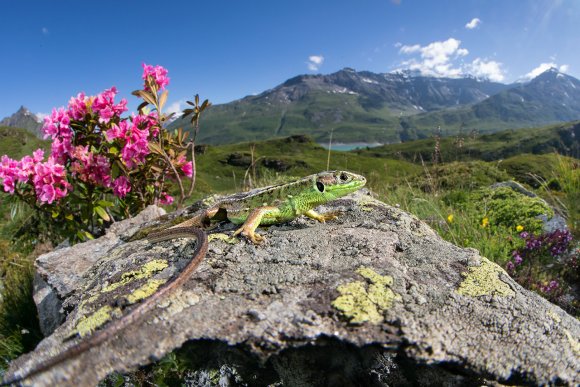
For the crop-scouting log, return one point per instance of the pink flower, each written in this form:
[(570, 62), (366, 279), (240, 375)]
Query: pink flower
[(77, 107), (12, 171), (159, 75), (50, 181), (57, 124), (8, 173), (187, 169), (121, 186), (90, 168), (104, 105), (165, 199)]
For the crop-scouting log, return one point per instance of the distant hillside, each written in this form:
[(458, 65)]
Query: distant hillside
[(17, 142), (389, 108), (551, 97), (356, 106), (23, 118), (561, 138)]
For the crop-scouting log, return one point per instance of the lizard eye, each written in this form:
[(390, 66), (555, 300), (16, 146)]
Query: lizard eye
[(320, 186), (343, 176)]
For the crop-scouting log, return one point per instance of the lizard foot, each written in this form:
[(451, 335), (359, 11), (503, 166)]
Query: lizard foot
[(322, 218), (250, 234)]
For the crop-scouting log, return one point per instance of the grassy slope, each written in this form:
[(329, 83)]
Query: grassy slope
[(16, 142), (215, 175), (563, 138)]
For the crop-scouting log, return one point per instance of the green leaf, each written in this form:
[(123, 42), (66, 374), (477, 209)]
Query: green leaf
[(55, 214), (102, 213), (105, 203)]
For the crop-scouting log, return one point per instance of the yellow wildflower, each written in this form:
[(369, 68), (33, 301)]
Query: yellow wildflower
[(485, 222), (450, 218), (519, 228)]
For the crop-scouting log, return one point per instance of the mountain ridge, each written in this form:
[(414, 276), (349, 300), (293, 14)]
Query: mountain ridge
[(361, 106)]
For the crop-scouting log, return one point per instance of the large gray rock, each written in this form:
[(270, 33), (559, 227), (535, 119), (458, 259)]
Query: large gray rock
[(372, 298)]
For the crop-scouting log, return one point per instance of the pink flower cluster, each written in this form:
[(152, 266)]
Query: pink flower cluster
[(159, 75), (186, 167), (135, 141), (121, 186), (104, 105), (50, 181), (90, 167), (48, 178)]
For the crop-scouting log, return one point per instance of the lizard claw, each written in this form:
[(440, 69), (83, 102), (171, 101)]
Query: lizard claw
[(251, 235)]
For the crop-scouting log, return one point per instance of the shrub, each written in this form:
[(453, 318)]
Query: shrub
[(103, 166)]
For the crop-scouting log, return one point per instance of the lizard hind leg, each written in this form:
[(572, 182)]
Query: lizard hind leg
[(267, 214)]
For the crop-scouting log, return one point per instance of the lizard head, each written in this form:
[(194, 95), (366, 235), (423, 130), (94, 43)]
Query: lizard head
[(335, 184)]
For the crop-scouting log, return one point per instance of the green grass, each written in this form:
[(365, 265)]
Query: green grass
[(560, 138), (16, 142)]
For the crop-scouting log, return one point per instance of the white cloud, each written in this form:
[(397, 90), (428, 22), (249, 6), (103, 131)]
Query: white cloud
[(544, 67), (435, 58), (44, 31), (489, 69), (446, 59), (41, 116), (474, 23), (174, 107), (314, 62)]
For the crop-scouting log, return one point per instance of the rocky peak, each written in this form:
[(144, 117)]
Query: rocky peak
[(24, 119)]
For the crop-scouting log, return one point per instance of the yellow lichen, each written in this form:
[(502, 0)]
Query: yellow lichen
[(573, 342), (360, 303), (554, 316), (88, 324), (146, 271), (145, 291), (484, 280), (223, 237)]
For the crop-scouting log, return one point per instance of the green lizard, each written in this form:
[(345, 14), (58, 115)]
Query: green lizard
[(279, 203), (263, 206)]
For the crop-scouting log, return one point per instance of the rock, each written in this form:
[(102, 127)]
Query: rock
[(60, 272), (374, 297)]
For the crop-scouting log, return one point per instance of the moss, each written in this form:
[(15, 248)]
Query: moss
[(360, 303), (87, 324), (146, 271), (484, 280), (506, 207), (145, 291)]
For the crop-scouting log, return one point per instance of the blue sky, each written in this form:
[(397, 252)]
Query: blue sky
[(224, 50)]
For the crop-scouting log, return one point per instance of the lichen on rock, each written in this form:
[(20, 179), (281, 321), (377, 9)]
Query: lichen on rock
[(87, 324), (360, 304), (146, 271), (484, 280)]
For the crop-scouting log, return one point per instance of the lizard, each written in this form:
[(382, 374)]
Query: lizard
[(279, 203), (260, 207)]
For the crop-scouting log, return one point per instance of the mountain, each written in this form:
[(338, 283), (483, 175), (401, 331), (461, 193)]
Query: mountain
[(355, 106), (23, 118), (549, 98)]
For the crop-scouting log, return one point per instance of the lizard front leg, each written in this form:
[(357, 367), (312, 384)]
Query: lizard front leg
[(253, 221), (321, 217)]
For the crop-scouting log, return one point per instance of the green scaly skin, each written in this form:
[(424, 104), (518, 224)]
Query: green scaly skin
[(280, 203)]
